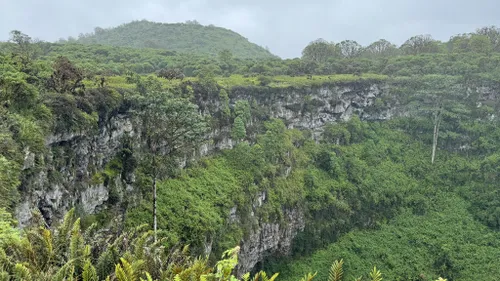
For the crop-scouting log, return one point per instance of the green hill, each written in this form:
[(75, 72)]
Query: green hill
[(188, 37)]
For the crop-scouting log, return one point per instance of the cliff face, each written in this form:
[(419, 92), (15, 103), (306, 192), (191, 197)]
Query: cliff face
[(270, 239), (67, 178), (311, 108)]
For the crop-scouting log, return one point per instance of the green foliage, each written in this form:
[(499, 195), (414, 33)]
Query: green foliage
[(238, 131), (194, 206), (319, 51), (9, 180), (187, 37), (171, 125), (446, 241), (367, 185), (8, 234), (336, 271)]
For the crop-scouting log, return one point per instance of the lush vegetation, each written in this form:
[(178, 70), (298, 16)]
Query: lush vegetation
[(189, 37), (415, 195), (68, 253)]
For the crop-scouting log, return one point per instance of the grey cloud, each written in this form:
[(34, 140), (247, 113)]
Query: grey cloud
[(285, 26)]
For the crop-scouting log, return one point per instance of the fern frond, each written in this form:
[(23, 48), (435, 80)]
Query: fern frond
[(274, 276), (65, 273), (90, 231), (185, 250), (336, 271), (309, 276), (263, 276), (139, 245), (22, 273), (76, 241), (256, 276), (375, 274), (4, 276), (47, 238), (128, 270), (245, 277), (441, 279), (120, 274), (177, 278), (148, 277), (63, 231), (137, 267), (89, 272)]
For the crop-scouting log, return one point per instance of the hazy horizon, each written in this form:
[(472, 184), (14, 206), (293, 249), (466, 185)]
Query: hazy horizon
[(285, 28)]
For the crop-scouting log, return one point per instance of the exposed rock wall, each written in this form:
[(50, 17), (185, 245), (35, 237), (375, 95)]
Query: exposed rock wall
[(270, 239), (65, 180), (311, 108), (72, 159)]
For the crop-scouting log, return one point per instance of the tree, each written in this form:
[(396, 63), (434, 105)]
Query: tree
[(349, 48), (9, 181), (226, 61), (66, 78), (15, 91), (459, 43), (493, 34), (171, 74), (470, 43), (319, 51), (9, 236), (480, 44), (239, 131), (225, 56), (276, 142), (242, 110), (172, 127), (420, 44), (380, 48), (25, 48), (437, 98)]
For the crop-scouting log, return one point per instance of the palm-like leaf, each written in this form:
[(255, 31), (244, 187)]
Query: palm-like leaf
[(336, 271), (89, 272), (375, 274), (309, 277), (22, 273)]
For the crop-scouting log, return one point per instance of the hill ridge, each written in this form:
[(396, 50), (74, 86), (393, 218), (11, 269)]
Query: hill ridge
[(188, 37)]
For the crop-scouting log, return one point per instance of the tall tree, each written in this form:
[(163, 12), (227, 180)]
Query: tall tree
[(420, 44), (493, 34), (476, 43), (319, 51), (349, 48), (24, 49), (438, 98), (66, 78), (238, 132), (172, 128), (380, 48)]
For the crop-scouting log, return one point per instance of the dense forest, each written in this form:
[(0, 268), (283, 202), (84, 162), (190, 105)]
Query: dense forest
[(194, 152), (189, 37)]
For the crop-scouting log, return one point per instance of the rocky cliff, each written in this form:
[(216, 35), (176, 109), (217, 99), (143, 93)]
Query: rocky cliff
[(68, 177)]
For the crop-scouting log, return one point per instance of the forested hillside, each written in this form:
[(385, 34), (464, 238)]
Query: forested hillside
[(382, 158), (189, 37)]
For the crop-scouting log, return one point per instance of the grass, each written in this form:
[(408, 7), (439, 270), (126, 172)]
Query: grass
[(275, 82)]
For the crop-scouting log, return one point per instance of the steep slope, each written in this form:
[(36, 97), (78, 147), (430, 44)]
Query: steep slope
[(181, 37)]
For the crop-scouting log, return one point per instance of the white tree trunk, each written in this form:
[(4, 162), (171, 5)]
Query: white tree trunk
[(154, 208), (437, 122)]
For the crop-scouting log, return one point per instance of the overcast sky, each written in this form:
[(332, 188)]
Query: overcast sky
[(285, 26)]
